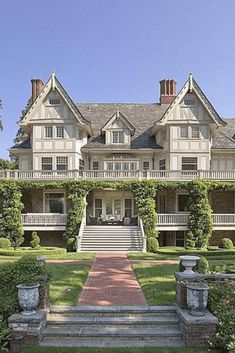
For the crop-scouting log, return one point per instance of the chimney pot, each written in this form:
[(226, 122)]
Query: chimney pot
[(167, 91), (37, 87)]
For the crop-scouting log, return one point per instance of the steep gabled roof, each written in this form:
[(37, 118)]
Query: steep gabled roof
[(54, 84), (120, 116), (192, 87)]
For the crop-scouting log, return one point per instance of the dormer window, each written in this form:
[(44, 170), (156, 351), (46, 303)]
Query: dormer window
[(54, 101), (118, 137)]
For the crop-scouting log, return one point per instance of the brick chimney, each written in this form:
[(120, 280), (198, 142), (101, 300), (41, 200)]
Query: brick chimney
[(167, 91), (37, 86)]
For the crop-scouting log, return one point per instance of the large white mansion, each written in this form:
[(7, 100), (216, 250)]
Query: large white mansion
[(180, 138)]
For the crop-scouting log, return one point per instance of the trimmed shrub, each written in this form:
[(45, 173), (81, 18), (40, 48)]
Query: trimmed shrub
[(5, 243), (4, 335), (30, 251), (221, 304), (152, 244), (190, 244), (226, 243), (35, 242), (71, 244), (202, 265), (25, 270)]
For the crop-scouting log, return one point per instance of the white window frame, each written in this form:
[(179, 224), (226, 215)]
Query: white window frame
[(60, 132), (163, 165), (120, 137), (54, 101), (189, 102), (144, 165), (97, 164), (46, 129), (46, 163), (182, 130), (48, 191), (62, 163), (195, 128), (188, 163)]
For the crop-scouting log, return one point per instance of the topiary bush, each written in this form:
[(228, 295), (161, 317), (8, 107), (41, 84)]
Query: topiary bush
[(202, 265), (190, 244), (35, 242), (5, 243), (152, 245), (226, 243)]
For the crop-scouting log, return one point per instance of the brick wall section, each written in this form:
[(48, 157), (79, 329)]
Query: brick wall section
[(222, 201), (37, 201), (220, 234), (48, 238), (26, 330)]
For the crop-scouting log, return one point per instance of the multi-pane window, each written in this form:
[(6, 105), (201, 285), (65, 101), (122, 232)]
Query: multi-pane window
[(60, 131), (189, 163), (146, 165), (182, 202), (46, 163), (189, 102), (184, 132), (128, 208), (95, 165), (195, 132), (118, 137), (48, 131), (54, 202), (62, 163), (162, 164), (121, 165), (180, 238), (54, 101)]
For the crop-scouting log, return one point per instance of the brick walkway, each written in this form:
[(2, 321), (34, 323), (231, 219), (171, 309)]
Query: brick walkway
[(112, 282)]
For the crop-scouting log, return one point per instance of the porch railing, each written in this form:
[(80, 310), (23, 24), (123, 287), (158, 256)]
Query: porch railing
[(80, 233), (44, 219), (173, 218), (170, 175), (224, 219)]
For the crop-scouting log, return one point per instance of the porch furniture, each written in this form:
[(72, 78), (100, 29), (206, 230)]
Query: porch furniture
[(93, 220)]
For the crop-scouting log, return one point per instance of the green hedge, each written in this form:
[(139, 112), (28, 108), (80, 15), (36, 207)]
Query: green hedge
[(25, 270), (181, 251), (30, 251)]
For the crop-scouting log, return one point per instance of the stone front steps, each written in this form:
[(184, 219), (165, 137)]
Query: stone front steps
[(111, 238), (113, 326)]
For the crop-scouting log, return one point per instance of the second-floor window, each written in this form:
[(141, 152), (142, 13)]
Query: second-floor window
[(118, 137), (146, 165), (195, 132), (183, 132), (189, 163), (46, 163), (48, 132), (62, 163), (162, 164), (95, 165), (60, 132)]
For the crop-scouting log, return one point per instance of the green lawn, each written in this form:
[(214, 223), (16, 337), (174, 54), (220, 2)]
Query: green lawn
[(67, 283), (113, 350), (157, 282)]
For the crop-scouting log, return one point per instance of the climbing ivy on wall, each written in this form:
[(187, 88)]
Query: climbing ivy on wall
[(200, 221), (10, 210)]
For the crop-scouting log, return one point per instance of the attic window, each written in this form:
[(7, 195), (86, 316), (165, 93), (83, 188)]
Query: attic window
[(54, 101), (118, 137), (189, 102)]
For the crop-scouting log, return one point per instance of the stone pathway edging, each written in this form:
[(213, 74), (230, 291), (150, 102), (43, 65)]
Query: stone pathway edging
[(111, 282)]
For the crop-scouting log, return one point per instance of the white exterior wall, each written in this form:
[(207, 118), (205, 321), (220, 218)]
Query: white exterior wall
[(223, 161)]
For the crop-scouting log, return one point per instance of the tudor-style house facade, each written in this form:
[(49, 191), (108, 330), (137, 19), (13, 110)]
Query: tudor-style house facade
[(180, 138)]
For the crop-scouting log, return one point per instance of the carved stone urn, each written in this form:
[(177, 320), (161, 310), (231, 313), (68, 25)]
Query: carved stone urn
[(189, 261), (197, 296), (28, 297)]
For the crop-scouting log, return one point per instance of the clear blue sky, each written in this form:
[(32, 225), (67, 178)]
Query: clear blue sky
[(115, 50)]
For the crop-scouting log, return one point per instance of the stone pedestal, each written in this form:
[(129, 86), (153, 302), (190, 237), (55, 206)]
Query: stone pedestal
[(26, 330), (182, 279), (197, 331)]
